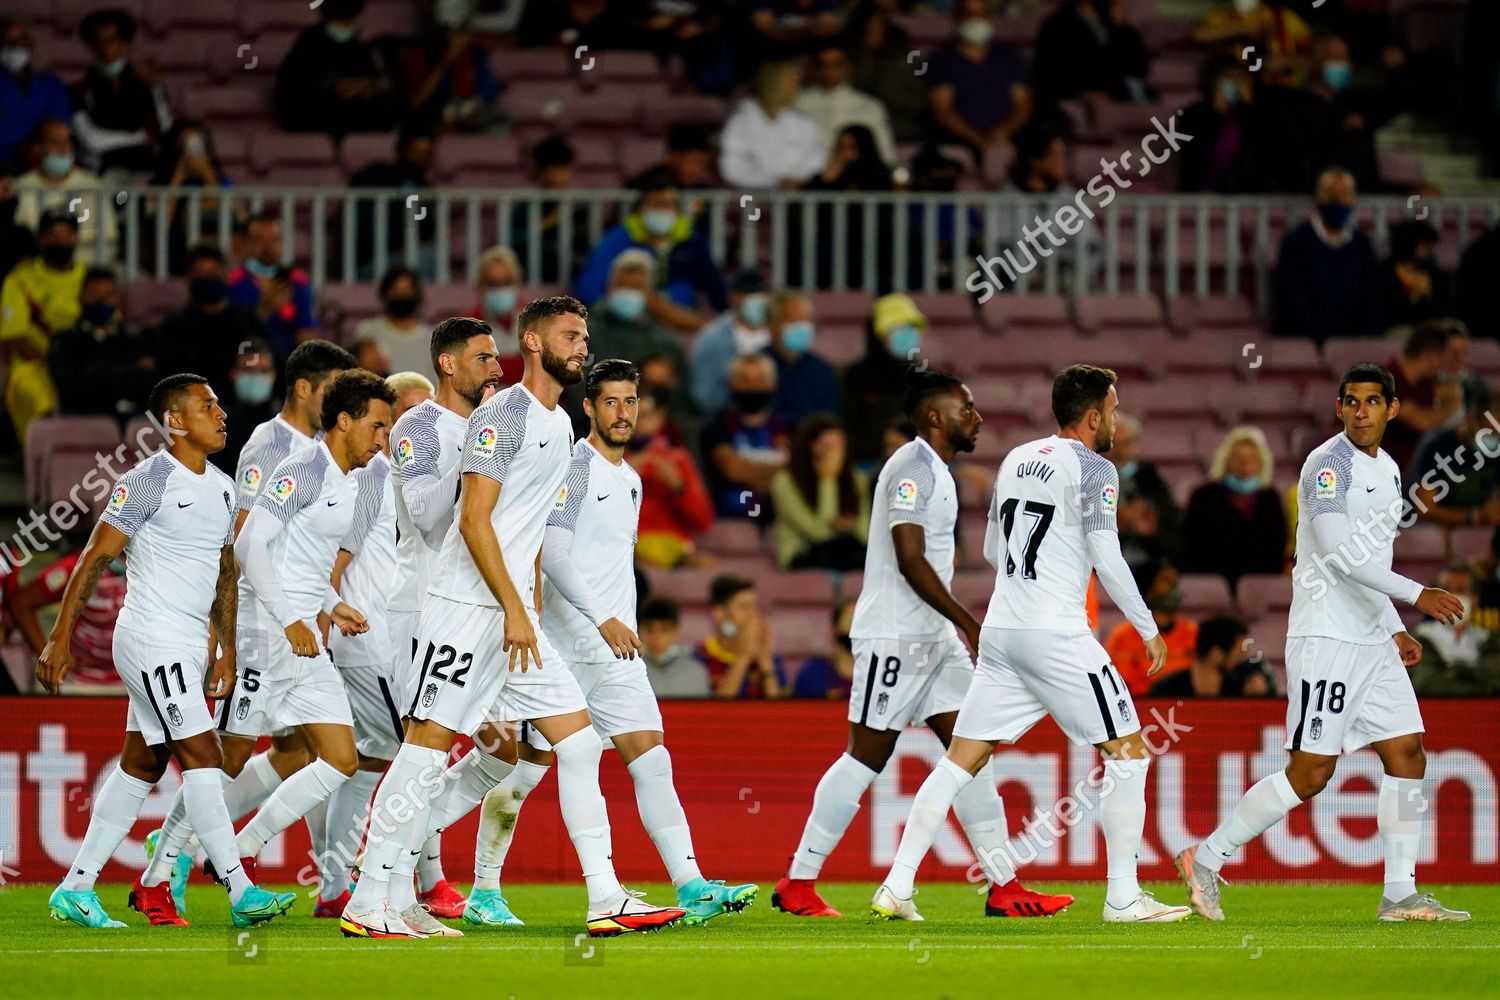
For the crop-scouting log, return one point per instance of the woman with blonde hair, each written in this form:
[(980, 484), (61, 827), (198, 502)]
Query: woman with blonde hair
[(1235, 523), (767, 143)]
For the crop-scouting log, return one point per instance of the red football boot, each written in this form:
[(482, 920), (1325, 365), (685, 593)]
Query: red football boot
[(442, 900), (798, 897), (1015, 900), (332, 908), (156, 903)]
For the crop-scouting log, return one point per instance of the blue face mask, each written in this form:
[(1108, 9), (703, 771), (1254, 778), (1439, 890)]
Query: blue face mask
[(1335, 214), (658, 221), (627, 303), (1129, 469), (797, 338), (254, 388), (1229, 92), (99, 314), (57, 164), (754, 310), (1243, 485), (500, 301), (262, 271), (341, 33), (1337, 75), (904, 342)]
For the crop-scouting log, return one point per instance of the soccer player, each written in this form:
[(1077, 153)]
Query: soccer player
[(588, 615), (478, 636), (1052, 521), (173, 516), (1346, 654), (241, 721), (909, 662)]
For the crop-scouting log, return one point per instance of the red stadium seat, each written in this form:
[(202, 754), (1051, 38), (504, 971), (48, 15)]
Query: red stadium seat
[(733, 538), (1260, 593), (1132, 312), (148, 301), (1190, 313), (812, 587), (59, 450), (1003, 313), (532, 64), (1205, 594)]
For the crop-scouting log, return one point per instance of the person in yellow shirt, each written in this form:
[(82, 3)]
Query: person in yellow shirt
[(39, 297), (1159, 586), (1281, 38)]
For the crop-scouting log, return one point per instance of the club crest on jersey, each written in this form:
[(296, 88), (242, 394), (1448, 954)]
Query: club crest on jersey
[(242, 710), (250, 480), (1108, 497), (906, 495), (429, 695), (1315, 730), (1124, 707), (174, 715), (484, 441), (1326, 483), (117, 498), (283, 488), (402, 451)]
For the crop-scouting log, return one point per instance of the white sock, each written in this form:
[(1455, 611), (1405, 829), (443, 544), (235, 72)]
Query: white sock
[(584, 812), (348, 810), (981, 812), (928, 810), (203, 797), (835, 802), (498, 817), (662, 815), (1399, 811), (430, 864), (177, 835), (253, 786), (464, 784), (289, 803), (116, 809), (403, 892), (1122, 817), (1263, 806), (316, 820), (401, 805)]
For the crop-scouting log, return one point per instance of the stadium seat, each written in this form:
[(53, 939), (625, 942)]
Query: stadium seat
[(532, 65), (1004, 313), (812, 587), (1469, 543), (1260, 593), (1118, 312), (1190, 313), (59, 450), (1204, 594), (148, 301), (688, 587), (143, 437), (733, 537)]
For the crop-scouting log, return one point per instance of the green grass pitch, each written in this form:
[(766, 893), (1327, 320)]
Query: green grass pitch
[(1280, 940)]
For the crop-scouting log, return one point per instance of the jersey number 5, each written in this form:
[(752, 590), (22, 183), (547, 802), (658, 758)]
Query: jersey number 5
[(1041, 515)]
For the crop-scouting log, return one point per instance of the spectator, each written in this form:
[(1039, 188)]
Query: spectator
[(745, 444), (977, 88), (687, 281), (444, 78), (595, 23), (741, 652), (880, 49), (16, 242), (830, 675), (40, 297), (97, 365), (1223, 156), (1456, 483), (28, 97), (406, 338), (767, 142), (1159, 585), (552, 170), (739, 331), (694, 31), (1146, 500), (1216, 653), (1462, 658), (1274, 30), (120, 108), (834, 104), (786, 29), (872, 387), (1413, 285), (248, 404), (371, 356), (1327, 279), (92, 641), (620, 325), (822, 502), (1086, 49), (1455, 365), (672, 667), (54, 181), (1041, 164), (855, 165), (675, 505), (206, 335), (331, 81), (1235, 522), (492, 21), (1478, 305), (500, 280), (661, 375), (280, 296), (805, 381), (1426, 402), (690, 164), (188, 160), (416, 144)]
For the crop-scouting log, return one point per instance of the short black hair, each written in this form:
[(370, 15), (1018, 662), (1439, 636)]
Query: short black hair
[(205, 251), (97, 273), (1369, 371), (1425, 338), (653, 180), (1220, 632), (413, 129), (395, 274), (921, 389), (264, 215), (96, 19), (553, 151), (449, 336), (609, 370), (351, 392), (340, 10), (166, 393), (56, 217), (545, 308), (687, 137), (726, 586), (314, 360), (1077, 389), (659, 608)]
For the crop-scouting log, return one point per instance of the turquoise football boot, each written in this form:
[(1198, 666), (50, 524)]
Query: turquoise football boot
[(487, 908), (81, 908), (704, 899), (258, 905)]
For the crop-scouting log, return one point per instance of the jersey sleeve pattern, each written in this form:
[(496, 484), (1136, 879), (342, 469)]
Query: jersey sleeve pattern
[(494, 437), (1325, 482), (1099, 491), (137, 496), (367, 500), (574, 491), (258, 460), (909, 490), (416, 447), (294, 485)]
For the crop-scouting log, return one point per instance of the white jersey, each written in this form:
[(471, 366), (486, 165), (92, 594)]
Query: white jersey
[(270, 444), (1049, 495), (178, 522), (915, 487), (314, 500), (368, 578), (601, 506), (1338, 478), (525, 447), (427, 444)]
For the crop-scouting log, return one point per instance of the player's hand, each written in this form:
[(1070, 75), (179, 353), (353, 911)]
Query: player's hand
[(349, 620), (1441, 605), (1157, 648), (625, 644), (970, 632), (221, 675), (324, 624), (53, 665), (1409, 648), (520, 640), (304, 642)]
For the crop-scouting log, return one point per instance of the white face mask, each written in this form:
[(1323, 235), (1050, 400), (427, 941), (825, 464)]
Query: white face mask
[(1467, 605), (748, 340), (14, 59), (976, 30), (1244, 8)]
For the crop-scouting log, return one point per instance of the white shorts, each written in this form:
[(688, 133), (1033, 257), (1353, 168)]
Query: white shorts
[(372, 701), (1342, 696), (245, 711), (309, 689), (898, 682), (1025, 674), (404, 626), (619, 699), (165, 683)]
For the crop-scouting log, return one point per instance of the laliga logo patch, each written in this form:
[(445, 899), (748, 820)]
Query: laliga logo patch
[(562, 498), (1108, 497), (1327, 482), (282, 488), (251, 479), (906, 495), (118, 497), (484, 441), (403, 451)]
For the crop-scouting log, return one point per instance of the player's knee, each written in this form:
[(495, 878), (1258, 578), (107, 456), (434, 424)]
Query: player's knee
[(201, 751), (344, 761), (1310, 775), (580, 747)]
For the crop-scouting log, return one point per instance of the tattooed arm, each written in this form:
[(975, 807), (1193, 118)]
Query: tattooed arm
[(104, 546), (221, 625)]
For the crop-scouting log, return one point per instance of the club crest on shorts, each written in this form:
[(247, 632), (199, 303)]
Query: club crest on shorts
[(174, 715), (242, 710), (1315, 730), (1124, 707), (881, 702), (429, 695)]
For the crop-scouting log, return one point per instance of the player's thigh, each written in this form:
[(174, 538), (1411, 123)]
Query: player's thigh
[(315, 695), (943, 694), (372, 701), (1386, 706), (164, 681), (460, 664), (1328, 687), (404, 626), (548, 693), (619, 697), (998, 707), (246, 711), (1073, 678), (891, 680)]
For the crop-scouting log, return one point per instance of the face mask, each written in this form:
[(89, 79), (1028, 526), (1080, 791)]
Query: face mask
[(627, 303), (112, 68), (57, 256), (751, 402), (401, 307), (195, 146), (263, 271), (754, 310), (57, 164), (99, 314), (751, 341), (1168, 602), (1337, 75), (1229, 92), (975, 30), (1244, 8), (1242, 485), (207, 291), (728, 629), (254, 388), (1466, 604), (341, 33), (903, 342), (659, 221), (500, 301), (15, 59), (797, 337), (1335, 214), (1129, 469)]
